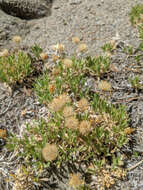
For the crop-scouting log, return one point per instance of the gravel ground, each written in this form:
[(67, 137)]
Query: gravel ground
[(95, 22)]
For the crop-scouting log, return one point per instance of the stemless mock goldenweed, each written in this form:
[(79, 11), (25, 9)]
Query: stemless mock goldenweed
[(84, 127), (55, 71), (81, 126), (104, 85), (55, 57), (58, 103), (59, 47), (50, 152), (4, 53), (75, 40), (83, 104), (51, 88), (16, 39), (76, 181), (14, 67), (71, 123), (82, 47), (68, 111), (67, 63), (44, 56)]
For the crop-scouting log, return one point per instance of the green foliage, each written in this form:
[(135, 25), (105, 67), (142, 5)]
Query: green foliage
[(109, 47), (140, 29), (128, 50), (135, 83), (105, 137), (84, 127), (68, 79), (98, 65), (36, 50), (14, 68), (136, 14)]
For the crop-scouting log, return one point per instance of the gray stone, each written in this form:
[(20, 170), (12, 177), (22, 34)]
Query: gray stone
[(9, 27), (27, 9)]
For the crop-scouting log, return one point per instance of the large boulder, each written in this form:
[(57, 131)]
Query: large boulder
[(27, 9)]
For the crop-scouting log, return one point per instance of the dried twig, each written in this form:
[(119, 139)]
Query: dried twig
[(136, 165)]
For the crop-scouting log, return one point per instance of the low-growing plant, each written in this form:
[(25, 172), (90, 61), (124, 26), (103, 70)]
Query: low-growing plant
[(128, 50), (135, 83), (88, 132), (108, 47), (59, 80), (36, 50), (81, 126), (98, 65), (69, 75), (15, 67), (136, 14)]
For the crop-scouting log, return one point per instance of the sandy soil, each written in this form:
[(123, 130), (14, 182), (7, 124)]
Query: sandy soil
[(94, 21)]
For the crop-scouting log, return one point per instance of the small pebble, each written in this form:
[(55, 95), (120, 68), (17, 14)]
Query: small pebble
[(75, 2)]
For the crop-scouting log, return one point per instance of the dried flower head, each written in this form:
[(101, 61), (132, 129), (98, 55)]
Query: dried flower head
[(59, 47), (104, 85), (105, 178), (75, 40), (65, 98), (71, 123), (44, 56), (16, 39), (119, 173), (75, 181), (84, 127), (107, 122), (129, 130), (108, 54), (55, 57), (51, 88), (4, 53), (58, 103), (68, 111), (67, 63), (22, 178), (50, 152), (55, 71), (83, 104), (82, 47), (3, 133)]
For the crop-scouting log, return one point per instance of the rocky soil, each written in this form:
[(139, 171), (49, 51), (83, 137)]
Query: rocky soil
[(95, 22)]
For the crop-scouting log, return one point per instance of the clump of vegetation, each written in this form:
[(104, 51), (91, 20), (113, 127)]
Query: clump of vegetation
[(81, 126), (104, 86), (135, 83), (98, 66), (69, 75), (136, 14), (36, 50), (76, 182), (109, 47), (136, 18), (128, 50), (89, 134), (14, 67)]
